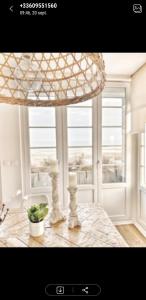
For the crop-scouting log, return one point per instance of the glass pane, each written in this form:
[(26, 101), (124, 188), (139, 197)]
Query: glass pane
[(42, 137), (112, 102), (40, 179), (79, 117), (40, 157), (112, 155), (80, 161), (113, 174), (79, 158), (111, 136), (42, 116), (84, 103), (112, 116), (39, 166), (79, 136)]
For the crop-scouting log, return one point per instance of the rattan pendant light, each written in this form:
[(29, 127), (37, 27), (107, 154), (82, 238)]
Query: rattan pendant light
[(50, 79)]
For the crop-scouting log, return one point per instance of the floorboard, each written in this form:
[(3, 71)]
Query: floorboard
[(132, 235)]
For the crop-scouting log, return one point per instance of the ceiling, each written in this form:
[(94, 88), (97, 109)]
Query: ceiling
[(125, 64)]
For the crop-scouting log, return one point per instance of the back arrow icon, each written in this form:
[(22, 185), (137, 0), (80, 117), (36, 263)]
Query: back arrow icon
[(11, 8)]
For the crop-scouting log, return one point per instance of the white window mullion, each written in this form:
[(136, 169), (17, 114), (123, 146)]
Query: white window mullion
[(95, 147), (60, 151), (24, 150), (99, 149)]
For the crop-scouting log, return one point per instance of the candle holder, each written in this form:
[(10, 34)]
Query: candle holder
[(56, 213), (3, 214), (73, 216)]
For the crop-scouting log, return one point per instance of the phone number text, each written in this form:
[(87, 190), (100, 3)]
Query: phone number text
[(38, 5)]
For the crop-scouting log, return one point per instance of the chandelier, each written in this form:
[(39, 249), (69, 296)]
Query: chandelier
[(50, 79)]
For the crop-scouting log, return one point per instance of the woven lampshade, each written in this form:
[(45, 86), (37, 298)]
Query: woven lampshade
[(50, 79)]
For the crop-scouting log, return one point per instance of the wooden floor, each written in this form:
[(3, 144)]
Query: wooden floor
[(132, 235)]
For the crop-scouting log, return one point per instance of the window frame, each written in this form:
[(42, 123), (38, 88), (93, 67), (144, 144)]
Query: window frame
[(116, 86), (25, 154), (47, 187), (92, 187), (90, 107)]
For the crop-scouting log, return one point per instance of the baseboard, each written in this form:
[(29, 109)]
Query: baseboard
[(123, 222), (140, 228)]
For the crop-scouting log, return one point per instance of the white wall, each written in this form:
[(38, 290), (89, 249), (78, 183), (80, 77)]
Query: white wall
[(138, 99), (10, 179)]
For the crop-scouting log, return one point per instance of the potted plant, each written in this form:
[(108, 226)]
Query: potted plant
[(36, 215)]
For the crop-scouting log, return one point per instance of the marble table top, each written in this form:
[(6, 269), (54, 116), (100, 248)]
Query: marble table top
[(96, 230)]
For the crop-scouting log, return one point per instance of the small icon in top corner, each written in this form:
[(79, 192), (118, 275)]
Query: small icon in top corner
[(85, 290), (60, 290), (137, 8)]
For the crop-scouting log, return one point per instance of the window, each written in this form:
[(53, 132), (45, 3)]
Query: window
[(79, 129), (42, 143), (113, 139), (75, 147)]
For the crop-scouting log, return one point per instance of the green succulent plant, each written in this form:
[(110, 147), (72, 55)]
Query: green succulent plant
[(37, 212)]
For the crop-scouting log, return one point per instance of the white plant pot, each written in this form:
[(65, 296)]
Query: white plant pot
[(36, 229)]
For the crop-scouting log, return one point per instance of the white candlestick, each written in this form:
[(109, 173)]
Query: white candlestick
[(56, 213), (73, 216), (72, 179), (54, 166)]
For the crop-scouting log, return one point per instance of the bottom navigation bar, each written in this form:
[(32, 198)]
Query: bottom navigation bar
[(73, 290)]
